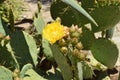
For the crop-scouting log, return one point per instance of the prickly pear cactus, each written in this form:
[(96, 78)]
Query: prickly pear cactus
[(63, 65)]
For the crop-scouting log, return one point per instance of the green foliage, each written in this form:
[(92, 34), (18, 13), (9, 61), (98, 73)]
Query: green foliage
[(32, 75), (76, 6), (105, 18), (39, 23), (87, 71), (69, 14), (15, 5), (6, 74), (3, 28), (87, 38), (24, 69), (8, 60), (65, 12), (68, 57), (47, 50), (11, 20), (24, 47), (105, 51), (62, 63), (27, 73)]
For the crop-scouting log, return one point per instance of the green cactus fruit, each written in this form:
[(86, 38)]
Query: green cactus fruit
[(64, 50), (105, 51), (72, 29), (79, 46), (74, 41), (62, 42), (75, 34), (75, 52), (82, 55)]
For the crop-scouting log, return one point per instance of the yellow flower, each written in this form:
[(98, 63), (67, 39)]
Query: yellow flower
[(53, 32)]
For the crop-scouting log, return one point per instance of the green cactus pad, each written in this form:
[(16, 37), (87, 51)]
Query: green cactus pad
[(62, 63), (87, 38), (105, 51), (67, 14), (5, 74), (87, 71), (106, 17), (24, 47), (47, 50), (32, 75), (39, 23), (7, 57)]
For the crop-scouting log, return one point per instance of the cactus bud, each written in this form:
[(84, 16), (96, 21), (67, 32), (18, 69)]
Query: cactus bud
[(72, 29), (62, 42), (64, 50), (75, 34), (82, 55), (74, 41), (58, 19), (79, 46), (75, 52), (66, 30)]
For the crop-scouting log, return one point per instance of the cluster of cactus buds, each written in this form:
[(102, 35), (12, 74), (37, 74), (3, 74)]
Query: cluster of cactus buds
[(72, 41)]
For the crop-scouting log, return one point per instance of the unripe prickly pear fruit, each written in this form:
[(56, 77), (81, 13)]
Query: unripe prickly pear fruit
[(79, 46), (75, 52), (62, 42), (74, 41), (64, 50), (72, 29), (75, 34), (82, 56)]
